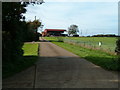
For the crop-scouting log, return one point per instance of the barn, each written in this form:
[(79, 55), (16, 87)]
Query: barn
[(53, 32)]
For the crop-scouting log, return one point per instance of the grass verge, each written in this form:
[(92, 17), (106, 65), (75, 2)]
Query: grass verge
[(29, 58), (105, 60)]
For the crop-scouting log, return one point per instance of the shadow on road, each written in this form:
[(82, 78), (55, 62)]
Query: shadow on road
[(62, 72), (73, 72)]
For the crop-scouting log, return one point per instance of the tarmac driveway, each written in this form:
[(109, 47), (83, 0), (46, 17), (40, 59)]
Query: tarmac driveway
[(58, 68)]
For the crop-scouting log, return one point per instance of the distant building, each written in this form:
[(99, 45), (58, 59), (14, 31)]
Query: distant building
[(53, 32)]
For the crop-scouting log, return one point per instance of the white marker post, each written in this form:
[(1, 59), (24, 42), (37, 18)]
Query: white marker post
[(100, 43)]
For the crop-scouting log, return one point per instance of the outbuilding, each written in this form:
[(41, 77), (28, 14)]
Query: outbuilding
[(53, 32)]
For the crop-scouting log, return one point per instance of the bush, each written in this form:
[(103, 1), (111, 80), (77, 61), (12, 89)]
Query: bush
[(75, 35), (59, 39)]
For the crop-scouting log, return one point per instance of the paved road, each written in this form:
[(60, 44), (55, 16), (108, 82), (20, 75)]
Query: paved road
[(58, 68)]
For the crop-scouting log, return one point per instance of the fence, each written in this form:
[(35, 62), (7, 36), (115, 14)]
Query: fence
[(106, 47)]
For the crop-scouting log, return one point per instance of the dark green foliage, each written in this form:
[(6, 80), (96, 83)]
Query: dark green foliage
[(30, 56), (31, 33), (13, 34), (12, 31), (11, 68), (118, 46), (118, 51)]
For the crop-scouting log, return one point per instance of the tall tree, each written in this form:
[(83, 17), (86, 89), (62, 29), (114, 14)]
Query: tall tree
[(73, 29), (12, 30), (13, 34), (32, 30)]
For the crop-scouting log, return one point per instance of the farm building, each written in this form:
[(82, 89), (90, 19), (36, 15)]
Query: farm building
[(53, 32)]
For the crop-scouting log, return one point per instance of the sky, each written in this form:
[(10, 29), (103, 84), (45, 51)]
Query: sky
[(93, 17)]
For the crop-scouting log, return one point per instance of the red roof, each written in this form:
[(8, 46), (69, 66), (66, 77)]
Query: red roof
[(54, 30)]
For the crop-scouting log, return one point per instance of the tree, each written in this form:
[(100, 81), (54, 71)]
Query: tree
[(32, 30), (35, 24), (13, 28), (72, 30)]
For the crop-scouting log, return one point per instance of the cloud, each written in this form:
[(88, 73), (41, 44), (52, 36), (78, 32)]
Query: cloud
[(91, 16), (81, 0)]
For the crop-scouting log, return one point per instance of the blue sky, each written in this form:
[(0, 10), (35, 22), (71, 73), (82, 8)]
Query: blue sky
[(91, 17)]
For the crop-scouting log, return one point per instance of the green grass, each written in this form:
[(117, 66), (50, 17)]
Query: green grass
[(29, 58), (30, 49), (102, 59), (108, 43), (97, 57)]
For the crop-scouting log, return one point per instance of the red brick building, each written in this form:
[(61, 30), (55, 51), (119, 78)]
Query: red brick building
[(53, 32)]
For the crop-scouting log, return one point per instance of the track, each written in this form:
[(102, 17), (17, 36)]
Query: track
[(58, 68)]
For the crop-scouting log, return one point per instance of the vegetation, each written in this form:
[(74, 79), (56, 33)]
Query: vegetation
[(12, 31), (31, 33), (30, 57), (108, 43), (72, 30), (15, 31), (30, 49), (118, 51), (105, 35), (118, 46), (105, 60)]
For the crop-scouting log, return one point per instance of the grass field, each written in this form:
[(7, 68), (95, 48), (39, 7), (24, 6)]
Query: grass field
[(29, 58), (97, 57), (108, 43)]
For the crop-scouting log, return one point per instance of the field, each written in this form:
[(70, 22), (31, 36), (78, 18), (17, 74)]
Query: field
[(96, 56), (108, 43)]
